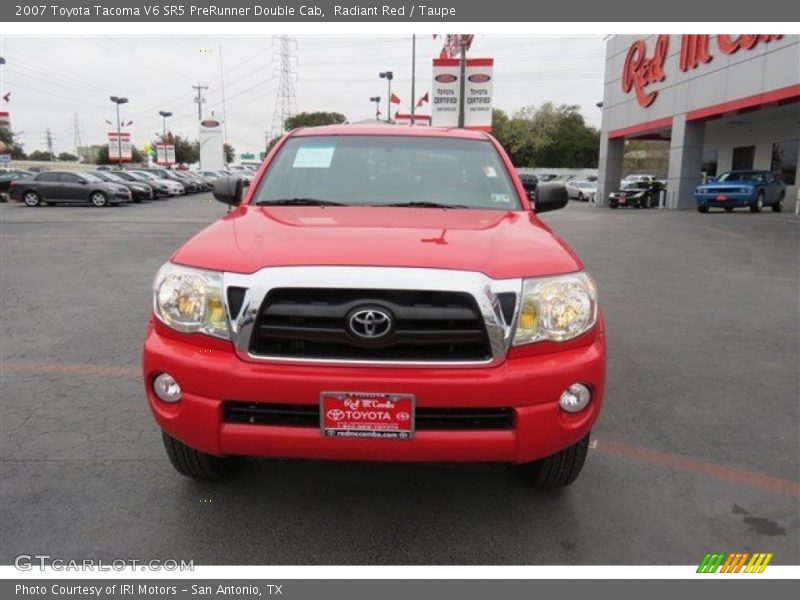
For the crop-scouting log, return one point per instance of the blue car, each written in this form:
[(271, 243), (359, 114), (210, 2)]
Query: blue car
[(741, 189)]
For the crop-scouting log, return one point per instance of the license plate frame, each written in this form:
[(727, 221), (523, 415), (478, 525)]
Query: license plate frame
[(394, 416)]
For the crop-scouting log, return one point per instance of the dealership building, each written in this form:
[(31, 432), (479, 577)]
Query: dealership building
[(721, 102)]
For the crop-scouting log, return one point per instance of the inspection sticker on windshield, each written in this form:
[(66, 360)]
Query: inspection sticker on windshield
[(501, 198), (489, 171), (314, 156)]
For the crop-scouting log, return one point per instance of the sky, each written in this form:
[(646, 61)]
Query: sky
[(55, 81)]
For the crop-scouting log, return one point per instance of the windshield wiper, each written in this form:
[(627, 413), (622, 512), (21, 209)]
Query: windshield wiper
[(298, 202), (424, 204)]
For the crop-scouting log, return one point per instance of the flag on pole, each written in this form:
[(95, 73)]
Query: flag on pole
[(394, 99), (7, 96), (107, 121), (423, 100)]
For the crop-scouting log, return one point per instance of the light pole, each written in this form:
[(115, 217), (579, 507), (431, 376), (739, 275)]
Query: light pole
[(377, 101), (117, 100), (388, 76), (164, 114)]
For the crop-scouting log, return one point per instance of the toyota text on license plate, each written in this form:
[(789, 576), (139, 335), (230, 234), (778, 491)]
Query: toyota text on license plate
[(367, 415)]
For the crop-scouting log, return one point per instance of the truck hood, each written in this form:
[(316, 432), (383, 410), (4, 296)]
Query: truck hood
[(500, 244)]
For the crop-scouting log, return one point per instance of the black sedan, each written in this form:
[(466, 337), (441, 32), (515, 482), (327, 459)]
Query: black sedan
[(6, 177), (139, 191), (639, 194)]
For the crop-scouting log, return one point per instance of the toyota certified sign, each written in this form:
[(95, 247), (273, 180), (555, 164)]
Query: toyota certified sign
[(446, 93)]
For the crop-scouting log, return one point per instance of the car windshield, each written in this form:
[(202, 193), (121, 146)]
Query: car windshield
[(388, 171), (741, 176)]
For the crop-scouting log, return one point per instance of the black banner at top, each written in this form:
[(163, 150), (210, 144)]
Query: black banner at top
[(644, 11)]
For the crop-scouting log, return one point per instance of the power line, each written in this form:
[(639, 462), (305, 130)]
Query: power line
[(285, 99)]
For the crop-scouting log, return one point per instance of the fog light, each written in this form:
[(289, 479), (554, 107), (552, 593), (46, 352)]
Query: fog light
[(575, 398), (166, 388)]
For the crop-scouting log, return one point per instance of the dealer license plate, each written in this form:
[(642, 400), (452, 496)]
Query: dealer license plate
[(721, 198), (367, 415)]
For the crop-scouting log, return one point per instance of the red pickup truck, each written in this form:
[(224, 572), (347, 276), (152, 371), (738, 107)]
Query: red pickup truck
[(384, 294)]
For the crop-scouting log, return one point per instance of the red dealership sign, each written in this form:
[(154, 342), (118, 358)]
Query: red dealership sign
[(641, 70)]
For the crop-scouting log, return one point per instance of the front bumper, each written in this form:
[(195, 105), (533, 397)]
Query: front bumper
[(530, 385), (719, 200)]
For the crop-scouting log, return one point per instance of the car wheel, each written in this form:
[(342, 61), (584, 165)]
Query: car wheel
[(728, 209), (98, 199), (759, 203), (580, 197), (558, 470), (193, 463), (613, 205), (778, 206), (32, 199), (701, 208)]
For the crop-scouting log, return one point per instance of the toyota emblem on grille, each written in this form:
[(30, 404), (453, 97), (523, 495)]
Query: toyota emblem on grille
[(370, 323)]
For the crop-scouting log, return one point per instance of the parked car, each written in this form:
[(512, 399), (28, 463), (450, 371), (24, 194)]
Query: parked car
[(545, 177), (161, 189), (592, 178), (53, 187), (6, 177), (742, 189), (584, 191), (175, 187), (529, 182), (139, 191), (193, 183), (378, 295), (638, 194), (637, 178), (168, 175)]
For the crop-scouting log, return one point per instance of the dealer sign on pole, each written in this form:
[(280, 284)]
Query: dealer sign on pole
[(478, 93), (165, 154), (212, 155), (117, 142)]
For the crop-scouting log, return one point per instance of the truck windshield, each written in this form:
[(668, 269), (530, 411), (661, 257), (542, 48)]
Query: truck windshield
[(374, 170)]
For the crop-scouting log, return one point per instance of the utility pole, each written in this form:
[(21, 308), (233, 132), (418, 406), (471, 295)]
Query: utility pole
[(224, 110), (413, 76), (388, 76), (462, 80), (48, 139), (285, 100), (76, 134), (199, 100)]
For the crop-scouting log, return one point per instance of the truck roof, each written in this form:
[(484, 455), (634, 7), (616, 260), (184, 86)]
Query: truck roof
[(393, 130)]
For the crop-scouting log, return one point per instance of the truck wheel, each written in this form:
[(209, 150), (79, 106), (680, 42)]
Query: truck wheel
[(728, 209), (32, 198), (613, 205), (558, 470), (758, 204), (702, 209), (193, 463), (778, 206)]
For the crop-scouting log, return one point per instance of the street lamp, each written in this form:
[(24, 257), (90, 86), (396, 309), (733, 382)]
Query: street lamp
[(164, 114), (388, 76), (117, 100), (377, 101)]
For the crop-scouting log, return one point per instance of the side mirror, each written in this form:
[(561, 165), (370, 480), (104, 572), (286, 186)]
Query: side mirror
[(229, 190), (549, 196)]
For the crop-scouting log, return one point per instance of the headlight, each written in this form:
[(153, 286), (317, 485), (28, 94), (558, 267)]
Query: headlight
[(190, 300), (556, 308)]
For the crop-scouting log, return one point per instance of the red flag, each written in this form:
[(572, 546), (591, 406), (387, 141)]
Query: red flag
[(423, 100), (394, 99)]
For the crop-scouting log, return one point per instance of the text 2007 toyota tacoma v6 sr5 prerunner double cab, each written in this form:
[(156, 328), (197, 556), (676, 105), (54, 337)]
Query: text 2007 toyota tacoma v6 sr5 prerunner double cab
[(378, 293)]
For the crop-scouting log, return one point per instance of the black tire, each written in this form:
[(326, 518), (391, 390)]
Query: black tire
[(702, 209), (758, 204), (31, 198), (193, 463), (558, 470), (98, 199), (778, 206), (728, 209), (613, 205)]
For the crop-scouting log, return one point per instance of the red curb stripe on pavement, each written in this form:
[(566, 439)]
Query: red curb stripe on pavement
[(668, 460)]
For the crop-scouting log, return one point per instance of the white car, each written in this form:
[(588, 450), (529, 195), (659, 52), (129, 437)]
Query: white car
[(585, 191), (175, 188)]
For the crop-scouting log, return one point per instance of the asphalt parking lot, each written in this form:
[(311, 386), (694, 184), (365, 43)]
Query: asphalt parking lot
[(698, 448)]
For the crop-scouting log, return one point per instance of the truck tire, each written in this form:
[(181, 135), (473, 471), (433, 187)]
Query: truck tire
[(558, 470), (702, 208), (778, 206), (193, 463)]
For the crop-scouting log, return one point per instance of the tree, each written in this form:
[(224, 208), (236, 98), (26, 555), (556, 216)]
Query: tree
[(8, 145), (67, 157), (547, 136), (314, 119), (230, 153), (39, 155), (186, 151)]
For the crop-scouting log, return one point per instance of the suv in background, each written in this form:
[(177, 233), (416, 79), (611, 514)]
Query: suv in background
[(378, 293)]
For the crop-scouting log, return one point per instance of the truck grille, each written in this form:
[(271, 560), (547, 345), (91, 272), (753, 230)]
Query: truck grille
[(430, 419), (312, 323)]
